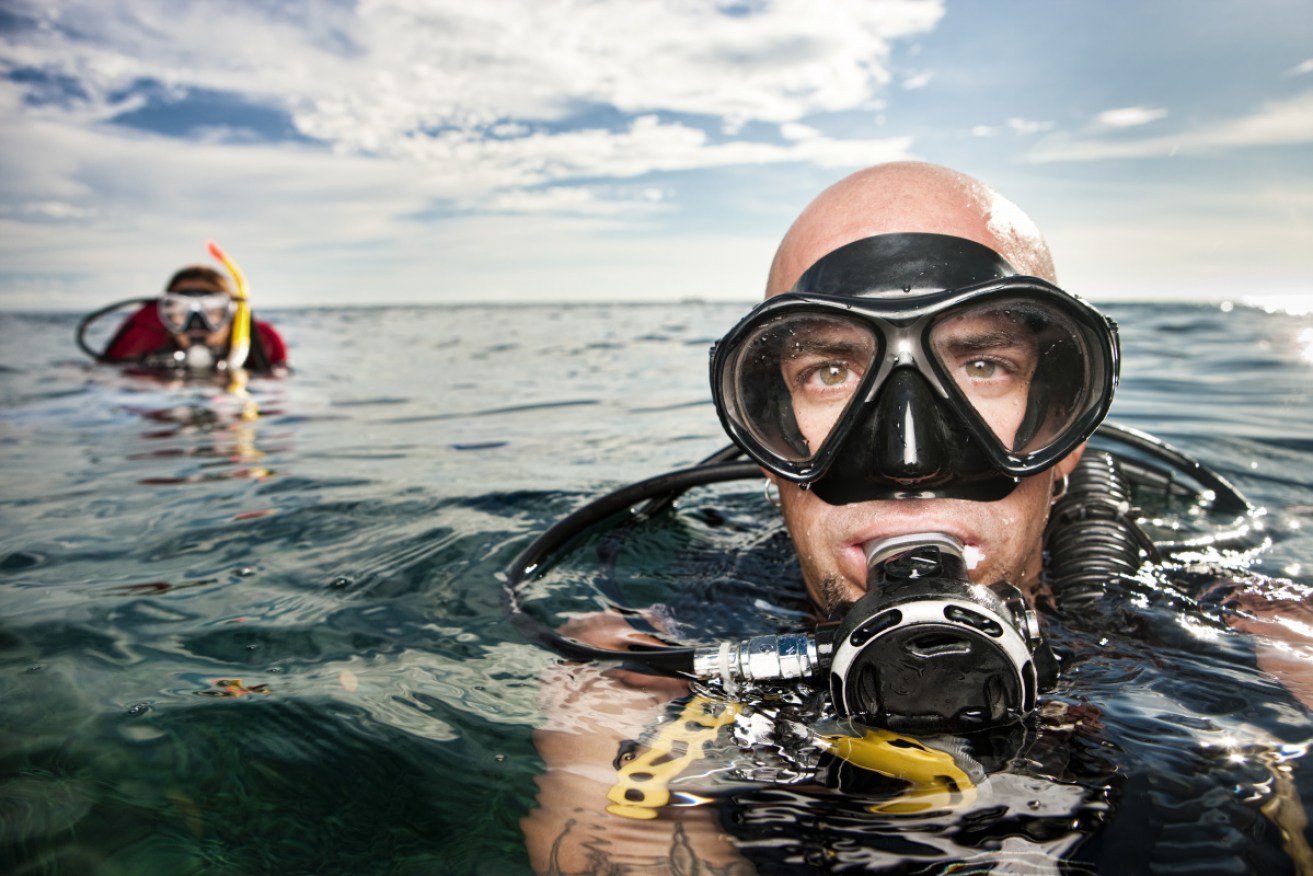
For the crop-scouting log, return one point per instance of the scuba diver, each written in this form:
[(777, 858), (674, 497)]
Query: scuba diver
[(918, 392), (189, 329)]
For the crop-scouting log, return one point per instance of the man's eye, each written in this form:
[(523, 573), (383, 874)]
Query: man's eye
[(833, 375), (981, 369)]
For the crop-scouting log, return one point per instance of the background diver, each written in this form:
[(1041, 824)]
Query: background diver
[(914, 374), (189, 328)]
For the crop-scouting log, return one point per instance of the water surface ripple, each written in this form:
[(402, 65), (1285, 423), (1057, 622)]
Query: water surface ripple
[(278, 646)]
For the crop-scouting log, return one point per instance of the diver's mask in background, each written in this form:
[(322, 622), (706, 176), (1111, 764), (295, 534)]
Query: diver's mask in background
[(195, 310), (914, 366)]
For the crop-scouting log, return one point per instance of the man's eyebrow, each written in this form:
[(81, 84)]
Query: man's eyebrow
[(830, 348), (987, 340)]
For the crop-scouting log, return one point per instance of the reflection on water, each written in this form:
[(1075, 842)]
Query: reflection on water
[(229, 452), (278, 645)]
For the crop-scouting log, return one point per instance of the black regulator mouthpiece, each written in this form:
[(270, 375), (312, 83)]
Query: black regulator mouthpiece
[(923, 651), (927, 650)]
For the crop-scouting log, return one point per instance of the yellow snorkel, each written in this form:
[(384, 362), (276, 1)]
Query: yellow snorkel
[(239, 345)]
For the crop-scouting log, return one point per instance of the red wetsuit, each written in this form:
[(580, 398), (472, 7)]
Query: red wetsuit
[(142, 335)]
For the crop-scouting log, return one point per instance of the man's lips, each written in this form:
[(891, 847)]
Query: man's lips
[(852, 556)]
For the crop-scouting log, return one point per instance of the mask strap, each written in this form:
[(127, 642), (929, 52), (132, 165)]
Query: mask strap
[(1060, 489), (771, 497)]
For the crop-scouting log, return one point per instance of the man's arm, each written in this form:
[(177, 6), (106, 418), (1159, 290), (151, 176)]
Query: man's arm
[(593, 716), (1281, 626)]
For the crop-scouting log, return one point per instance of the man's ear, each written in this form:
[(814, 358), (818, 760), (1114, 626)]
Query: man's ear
[(1068, 463)]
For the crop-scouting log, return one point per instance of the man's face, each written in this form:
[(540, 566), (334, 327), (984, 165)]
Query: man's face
[(992, 363), (199, 290)]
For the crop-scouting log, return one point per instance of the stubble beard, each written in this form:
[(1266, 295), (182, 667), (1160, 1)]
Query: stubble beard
[(833, 593)]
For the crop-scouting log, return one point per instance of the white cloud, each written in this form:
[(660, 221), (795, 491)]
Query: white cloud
[(796, 131), (1129, 116), (1028, 126), (57, 210), (575, 200), (466, 162), (1301, 69), (1015, 124), (416, 77), (77, 166), (1277, 123), (914, 81)]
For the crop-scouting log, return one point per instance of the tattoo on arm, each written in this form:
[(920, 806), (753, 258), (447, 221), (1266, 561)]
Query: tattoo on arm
[(680, 860)]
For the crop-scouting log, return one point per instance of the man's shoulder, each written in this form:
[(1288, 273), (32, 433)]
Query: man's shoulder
[(274, 345), (140, 334)]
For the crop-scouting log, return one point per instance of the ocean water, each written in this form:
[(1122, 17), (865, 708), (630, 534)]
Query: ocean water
[(279, 645)]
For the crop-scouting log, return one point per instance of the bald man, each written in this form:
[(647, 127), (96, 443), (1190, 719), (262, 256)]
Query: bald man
[(914, 372), (884, 239), (1004, 536)]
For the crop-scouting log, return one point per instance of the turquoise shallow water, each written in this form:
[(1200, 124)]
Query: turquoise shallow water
[(279, 646)]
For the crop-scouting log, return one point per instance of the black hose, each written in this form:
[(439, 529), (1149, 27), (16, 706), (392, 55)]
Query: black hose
[(654, 506), (1092, 536), (659, 489), (1226, 498), (95, 315)]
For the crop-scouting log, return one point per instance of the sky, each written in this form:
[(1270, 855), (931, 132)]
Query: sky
[(444, 151)]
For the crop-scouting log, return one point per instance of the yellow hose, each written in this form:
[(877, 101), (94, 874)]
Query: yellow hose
[(643, 784), (936, 780)]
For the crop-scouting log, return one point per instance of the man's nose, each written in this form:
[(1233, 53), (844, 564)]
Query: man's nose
[(912, 439)]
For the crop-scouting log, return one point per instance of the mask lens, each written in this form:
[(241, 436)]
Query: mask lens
[(1029, 369), (789, 379), (176, 309), (216, 310)]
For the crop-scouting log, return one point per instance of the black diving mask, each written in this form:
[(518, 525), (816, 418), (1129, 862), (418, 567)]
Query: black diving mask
[(914, 366), (183, 310)]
